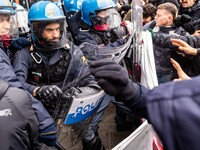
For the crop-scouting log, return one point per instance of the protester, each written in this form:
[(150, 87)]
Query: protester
[(164, 24)]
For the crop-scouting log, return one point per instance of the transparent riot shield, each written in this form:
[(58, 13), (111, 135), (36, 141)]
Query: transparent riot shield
[(74, 112), (136, 19), (115, 51)]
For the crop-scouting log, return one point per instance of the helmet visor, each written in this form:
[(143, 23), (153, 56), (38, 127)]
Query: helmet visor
[(22, 18), (49, 35), (106, 19), (8, 24)]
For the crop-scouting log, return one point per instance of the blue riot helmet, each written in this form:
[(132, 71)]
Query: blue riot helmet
[(59, 4), (90, 9), (8, 22), (72, 6), (66, 4), (22, 19), (102, 16), (42, 14)]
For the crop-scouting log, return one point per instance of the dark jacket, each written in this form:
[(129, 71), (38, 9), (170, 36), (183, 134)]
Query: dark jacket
[(23, 64), (101, 37), (190, 64), (74, 22), (8, 75), (173, 110), (18, 123), (193, 12), (175, 114), (90, 37), (51, 70)]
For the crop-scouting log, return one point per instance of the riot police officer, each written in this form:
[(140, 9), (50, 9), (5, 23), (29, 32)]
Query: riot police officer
[(73, 11), (52, 61), (101, 25), (8, 33), (21, 124)]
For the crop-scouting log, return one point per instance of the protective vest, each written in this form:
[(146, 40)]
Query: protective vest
[(40, 74)]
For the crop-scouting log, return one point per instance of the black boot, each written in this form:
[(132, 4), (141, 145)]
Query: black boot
[(94, 144), (121, 121)]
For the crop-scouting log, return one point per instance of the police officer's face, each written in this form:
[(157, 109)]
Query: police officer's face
[(187, 3), (51, 32), (4, 25), (163, 18)]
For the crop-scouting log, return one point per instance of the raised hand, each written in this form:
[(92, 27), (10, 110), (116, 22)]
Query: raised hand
[(181, 74), (184, 47)]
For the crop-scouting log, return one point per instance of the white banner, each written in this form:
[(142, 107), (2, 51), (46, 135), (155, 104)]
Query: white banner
[(140, 139), (148, 69)]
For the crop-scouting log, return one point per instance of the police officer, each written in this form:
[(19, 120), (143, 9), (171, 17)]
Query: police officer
[(72, 9), (18, 120), (101, 25), (42, 68), (174, 114), (9, 32), (45, 68)]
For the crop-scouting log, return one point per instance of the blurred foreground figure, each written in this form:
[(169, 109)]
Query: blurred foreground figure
[(168, 111), (18, 123)]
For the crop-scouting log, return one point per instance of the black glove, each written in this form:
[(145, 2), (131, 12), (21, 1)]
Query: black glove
[(113, 79), (196, 25), (48, 135), (182, 19), (49, 94)]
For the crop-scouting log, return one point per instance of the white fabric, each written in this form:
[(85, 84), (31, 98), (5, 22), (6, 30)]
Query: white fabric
[(140, 139), (148, 69)]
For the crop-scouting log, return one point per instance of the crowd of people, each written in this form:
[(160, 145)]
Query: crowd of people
[(44, 49)]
